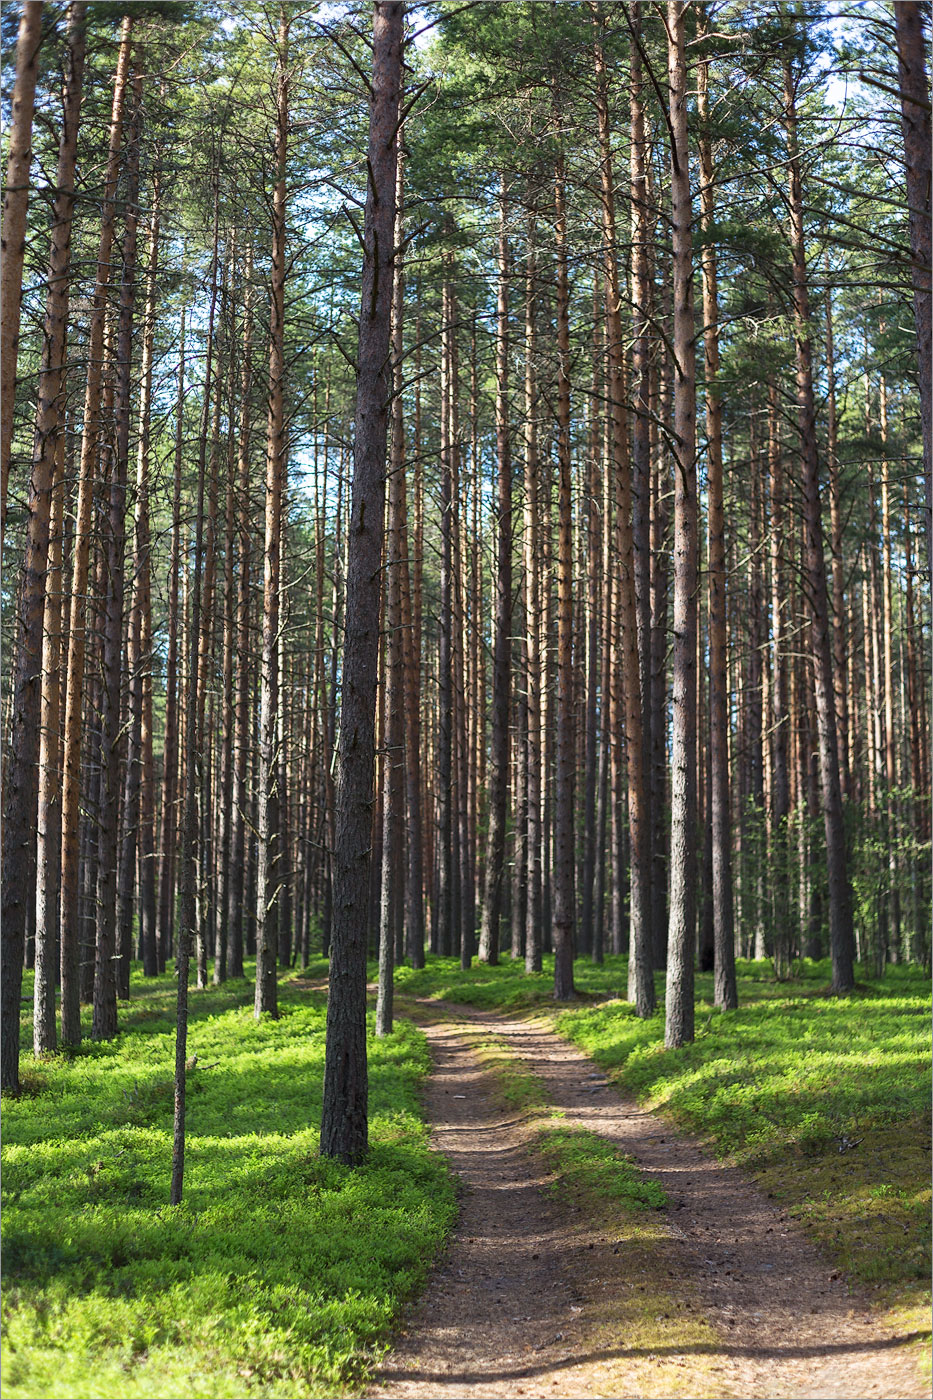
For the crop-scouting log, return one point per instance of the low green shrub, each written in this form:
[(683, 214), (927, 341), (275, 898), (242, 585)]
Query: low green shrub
[(281, 1273)]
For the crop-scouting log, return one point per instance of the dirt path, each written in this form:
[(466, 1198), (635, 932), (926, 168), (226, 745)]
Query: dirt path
[(518, 1305)]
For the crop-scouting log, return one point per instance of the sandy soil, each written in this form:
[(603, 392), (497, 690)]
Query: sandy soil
[(518, 1304)]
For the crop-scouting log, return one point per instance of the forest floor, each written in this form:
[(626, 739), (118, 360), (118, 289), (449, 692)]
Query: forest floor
[(561, 1280)]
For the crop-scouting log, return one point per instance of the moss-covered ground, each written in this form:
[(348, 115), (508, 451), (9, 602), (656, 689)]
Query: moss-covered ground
[(280, 1274)]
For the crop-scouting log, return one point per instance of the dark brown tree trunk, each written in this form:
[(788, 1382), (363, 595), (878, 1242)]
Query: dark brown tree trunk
[(268, 833), (13, 236), (840, 901), (683, 871), (916, 126), (499, 750), (71, 769), (49, 457), (344, 1122)]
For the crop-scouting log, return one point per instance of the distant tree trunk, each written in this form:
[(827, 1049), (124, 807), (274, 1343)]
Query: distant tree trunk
[(780, 781), (641, 970), (104, 1021), (240, 755), (444, 904), (193, 716), (564, 786), (531, 829), (890, 755), (71, 772), (344, 1125), (590, 587), (138, 798), (169, 829), (499, 752), (268, 833), (49, 457), (840, 902), (683, 872), (394, 676), (916, 126), (13, 238), (835, 515), (223, 926), (724, 993), (641, 438)]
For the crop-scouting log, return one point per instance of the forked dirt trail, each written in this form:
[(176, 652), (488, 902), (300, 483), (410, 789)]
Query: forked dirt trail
[(522, 1302)]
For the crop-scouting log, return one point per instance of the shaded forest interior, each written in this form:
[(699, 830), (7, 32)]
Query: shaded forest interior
[(601, 518)]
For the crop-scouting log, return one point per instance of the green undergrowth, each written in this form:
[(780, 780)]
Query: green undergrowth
[(281, 1274), (586, 1162), (824, 1100)]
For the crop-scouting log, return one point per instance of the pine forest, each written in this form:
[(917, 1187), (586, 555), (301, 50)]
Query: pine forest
[(466, 651)]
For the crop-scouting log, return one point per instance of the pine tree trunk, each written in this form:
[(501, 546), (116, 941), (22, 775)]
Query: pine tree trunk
[(641, 441), (683, 869), (104, 1021), (268, 833), (138, 797), (193, 713), (780, 781), (724, 993), (640, 968), (71, 771), (530, 832), (13, 238), (835, 516), (395, 756), (241, 736), (502, 647), (49, 458), (840, 901), (169, 827), (344, 1125), (916, 126)]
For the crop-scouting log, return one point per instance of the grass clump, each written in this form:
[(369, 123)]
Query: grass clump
[(281, 1274), (586, 1162)]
